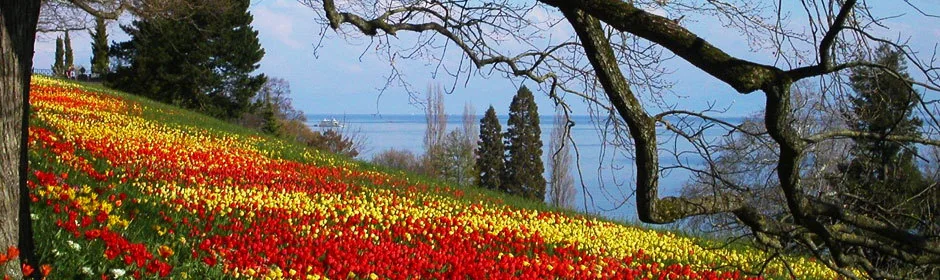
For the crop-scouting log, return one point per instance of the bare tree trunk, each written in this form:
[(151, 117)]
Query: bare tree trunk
[(470, 128), (559, 159), (17, 35), (436, 121), (468, 149)]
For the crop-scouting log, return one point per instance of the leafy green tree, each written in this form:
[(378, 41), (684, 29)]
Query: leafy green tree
[(456, 162), (458, 154), (58, 67), (100, 63), (523, 175), (490, 151), (204, 62), (448, 155), (69, 56), (882, 175)]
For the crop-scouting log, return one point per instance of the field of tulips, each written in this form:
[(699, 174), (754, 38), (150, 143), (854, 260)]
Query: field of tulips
[(124, 188)]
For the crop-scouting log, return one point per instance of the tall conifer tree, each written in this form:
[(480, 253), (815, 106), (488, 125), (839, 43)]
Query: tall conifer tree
[(204, 62), (523, 176), (883, 172), (882, 178), (99, 47), (69, 56), (57, 67), (490, 151)]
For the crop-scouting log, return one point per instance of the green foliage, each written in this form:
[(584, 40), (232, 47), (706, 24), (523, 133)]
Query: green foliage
[(100, 63), (881, 178), (203, 61), (448, 156), (883, 172), (458, 153), (58, 67), (69, 56), (523, 173), (270, 125), (884, 105), (490, 151)]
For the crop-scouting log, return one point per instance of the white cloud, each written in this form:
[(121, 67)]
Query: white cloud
[(283, 4), (276, 24), (352, 68)]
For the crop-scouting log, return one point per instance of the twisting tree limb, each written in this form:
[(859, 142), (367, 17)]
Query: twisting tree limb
[(742, 75)]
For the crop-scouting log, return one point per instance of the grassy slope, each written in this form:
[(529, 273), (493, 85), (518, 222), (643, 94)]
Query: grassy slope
[(50, 236)]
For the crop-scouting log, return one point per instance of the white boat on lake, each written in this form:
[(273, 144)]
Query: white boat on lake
[(331, 122)]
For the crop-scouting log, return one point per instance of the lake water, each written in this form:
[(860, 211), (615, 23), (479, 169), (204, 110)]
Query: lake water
[(607, 176)]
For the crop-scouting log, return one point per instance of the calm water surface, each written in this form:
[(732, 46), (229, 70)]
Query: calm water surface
[(607, 176)]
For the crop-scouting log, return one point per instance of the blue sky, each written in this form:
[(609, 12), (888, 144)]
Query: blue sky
[(344, 75)]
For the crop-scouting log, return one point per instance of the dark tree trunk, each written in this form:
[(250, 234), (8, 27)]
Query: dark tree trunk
[(17, 35)]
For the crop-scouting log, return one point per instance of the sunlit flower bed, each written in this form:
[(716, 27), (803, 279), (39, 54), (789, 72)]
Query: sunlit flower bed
[(117, 195)]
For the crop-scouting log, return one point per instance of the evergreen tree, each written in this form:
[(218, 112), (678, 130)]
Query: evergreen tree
[(57, 67), (490, 151), (204, 62), (271, 123), (882, 172), (523, 176), (269, 116), (99, 48), (69, 57)]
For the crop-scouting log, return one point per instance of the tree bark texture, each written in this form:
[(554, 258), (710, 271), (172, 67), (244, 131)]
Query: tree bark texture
[(17, 36)]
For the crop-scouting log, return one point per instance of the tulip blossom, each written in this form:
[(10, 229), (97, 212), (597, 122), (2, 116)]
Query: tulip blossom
[(255, 207)]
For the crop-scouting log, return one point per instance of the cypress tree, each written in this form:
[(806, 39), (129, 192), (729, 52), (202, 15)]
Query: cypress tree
[(490, 151), (523, 176), (99, 48), (204, 62), (69, 57), (269, 116), (57, 66)]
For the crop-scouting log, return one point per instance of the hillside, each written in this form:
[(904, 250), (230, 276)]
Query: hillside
[(124, 187)]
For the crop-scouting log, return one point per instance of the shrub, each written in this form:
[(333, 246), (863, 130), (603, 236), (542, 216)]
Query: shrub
[(398, 159)]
